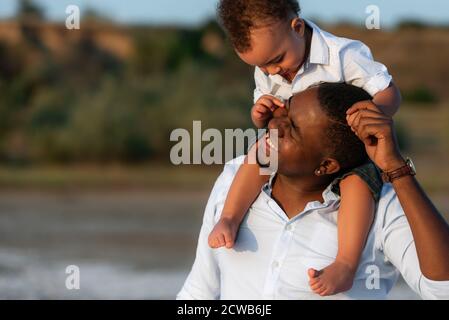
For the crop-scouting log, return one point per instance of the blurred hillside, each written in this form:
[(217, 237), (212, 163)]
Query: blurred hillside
[(112, 94)]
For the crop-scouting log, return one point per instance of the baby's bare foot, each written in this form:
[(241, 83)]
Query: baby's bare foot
[(333, 279), (223, 234)]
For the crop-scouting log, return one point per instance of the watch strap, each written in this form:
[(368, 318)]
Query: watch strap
[(390, 176)]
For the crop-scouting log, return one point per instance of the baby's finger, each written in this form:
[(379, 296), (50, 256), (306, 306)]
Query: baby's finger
[(268, 103), (262, 108), (271, 101), (262, 111), (277, 102)]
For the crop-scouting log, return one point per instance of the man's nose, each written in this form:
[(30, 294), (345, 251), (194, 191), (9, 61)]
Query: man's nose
[(279, 113), (279, 121)]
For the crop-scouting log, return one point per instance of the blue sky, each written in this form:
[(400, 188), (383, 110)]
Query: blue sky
[(196, 11)]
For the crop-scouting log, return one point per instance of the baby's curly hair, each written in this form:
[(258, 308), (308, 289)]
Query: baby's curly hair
[(238, 17)]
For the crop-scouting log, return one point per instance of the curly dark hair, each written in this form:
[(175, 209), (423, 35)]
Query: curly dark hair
[(335, 99), (238, 17)]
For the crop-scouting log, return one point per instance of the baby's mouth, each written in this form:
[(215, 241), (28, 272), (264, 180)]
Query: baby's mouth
[(284, 74), (288, 75)]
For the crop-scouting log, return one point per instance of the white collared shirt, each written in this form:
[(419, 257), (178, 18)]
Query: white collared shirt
[(272, 252), (331, 59)]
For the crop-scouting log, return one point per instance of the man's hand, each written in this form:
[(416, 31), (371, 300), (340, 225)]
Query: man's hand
[(376, 130), (429, 229), (263, 110)]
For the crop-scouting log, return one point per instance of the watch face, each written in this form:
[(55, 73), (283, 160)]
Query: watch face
[(411, 165)]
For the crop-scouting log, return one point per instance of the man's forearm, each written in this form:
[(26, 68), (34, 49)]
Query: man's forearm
[(430, 230)]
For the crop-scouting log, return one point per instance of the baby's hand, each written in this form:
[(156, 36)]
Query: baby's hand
[(263, 110)]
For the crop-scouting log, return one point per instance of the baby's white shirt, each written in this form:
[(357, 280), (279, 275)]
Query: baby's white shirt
[(331, 59)]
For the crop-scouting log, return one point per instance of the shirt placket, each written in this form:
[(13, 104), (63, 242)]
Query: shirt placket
[(280, 251), (282, 245)]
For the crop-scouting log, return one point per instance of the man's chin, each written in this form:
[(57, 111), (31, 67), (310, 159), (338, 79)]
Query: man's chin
[(268, 159)]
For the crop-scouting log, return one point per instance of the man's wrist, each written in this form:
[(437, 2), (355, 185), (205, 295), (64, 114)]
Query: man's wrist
[(393, 164), (407, 169)]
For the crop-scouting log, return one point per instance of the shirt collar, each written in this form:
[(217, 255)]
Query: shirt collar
[(319, 50), (327, 194)]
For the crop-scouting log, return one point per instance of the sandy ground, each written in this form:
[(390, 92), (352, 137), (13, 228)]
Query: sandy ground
[(128, 245)]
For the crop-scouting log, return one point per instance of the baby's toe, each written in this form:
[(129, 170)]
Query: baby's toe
[(322, 291), (312, 273), (314, 281), (229, 244), (216, 244), (229, 240), (316, 287), (221, 240), (212, 242)]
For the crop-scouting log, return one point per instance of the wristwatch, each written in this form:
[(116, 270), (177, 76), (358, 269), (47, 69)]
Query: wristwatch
[(406, 170)]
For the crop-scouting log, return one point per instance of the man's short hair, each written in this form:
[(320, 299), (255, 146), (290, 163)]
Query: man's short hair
[(335, 99), (239, 16)]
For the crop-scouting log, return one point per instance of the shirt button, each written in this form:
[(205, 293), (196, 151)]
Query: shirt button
[(275, 264), (289, 227)]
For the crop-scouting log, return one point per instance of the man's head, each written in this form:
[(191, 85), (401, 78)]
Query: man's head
[(313, 135), (266, 33)]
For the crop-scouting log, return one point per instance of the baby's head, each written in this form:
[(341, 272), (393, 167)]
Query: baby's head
[(266, 33)]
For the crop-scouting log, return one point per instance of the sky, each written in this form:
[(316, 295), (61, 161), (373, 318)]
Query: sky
[(192, 12)]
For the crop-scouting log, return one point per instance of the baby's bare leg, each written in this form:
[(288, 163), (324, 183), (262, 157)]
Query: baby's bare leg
[(244, 189), (355, 217)]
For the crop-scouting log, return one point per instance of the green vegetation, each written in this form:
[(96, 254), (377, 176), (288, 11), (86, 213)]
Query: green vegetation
[(420, 95), (76, 100)]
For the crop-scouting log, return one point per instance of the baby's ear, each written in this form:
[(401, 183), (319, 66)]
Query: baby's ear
[(298, 25)]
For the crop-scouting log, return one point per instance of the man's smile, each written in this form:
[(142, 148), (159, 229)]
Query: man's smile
[(270, 143)]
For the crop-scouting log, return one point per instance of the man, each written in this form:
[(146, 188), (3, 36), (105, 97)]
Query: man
[(290, 231)]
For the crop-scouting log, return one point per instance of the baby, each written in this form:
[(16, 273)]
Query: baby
[(291, 54)]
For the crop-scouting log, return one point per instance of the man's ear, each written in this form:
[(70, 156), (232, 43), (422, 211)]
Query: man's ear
[(298, 25), (328, 166)]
